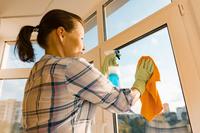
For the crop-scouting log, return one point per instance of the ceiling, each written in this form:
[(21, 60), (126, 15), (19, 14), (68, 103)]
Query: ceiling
[(16, 13)]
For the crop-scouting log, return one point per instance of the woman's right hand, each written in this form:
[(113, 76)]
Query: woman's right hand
[(142, 75), (136, 94)]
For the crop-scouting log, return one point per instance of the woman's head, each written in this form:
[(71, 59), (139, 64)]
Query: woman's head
[(58, 31)]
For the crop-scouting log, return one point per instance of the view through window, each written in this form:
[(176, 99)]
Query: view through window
[(121, 14), (174, 117), (91, 33), (11, 96), (11, 59)]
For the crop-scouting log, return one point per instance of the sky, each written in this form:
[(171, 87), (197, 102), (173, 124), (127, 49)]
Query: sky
[(11, 60), (157, 45)]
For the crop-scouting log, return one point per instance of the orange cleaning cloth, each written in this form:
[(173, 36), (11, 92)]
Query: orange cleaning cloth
[(150, 99)]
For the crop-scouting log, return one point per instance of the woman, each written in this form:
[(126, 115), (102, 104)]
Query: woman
[(63, 89)]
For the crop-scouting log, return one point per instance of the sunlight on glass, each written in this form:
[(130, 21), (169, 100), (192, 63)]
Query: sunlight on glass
[(121, 14), (91, 34), (11, 95), (174, 117), (11, 60)]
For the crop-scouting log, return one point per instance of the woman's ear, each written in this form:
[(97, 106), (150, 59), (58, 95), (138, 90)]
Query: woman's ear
[(60, 31)]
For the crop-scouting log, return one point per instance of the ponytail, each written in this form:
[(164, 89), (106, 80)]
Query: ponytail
[(50, 21), (24, 46)]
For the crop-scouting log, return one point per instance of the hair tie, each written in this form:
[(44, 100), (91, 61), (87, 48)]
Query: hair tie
[(36, 29)]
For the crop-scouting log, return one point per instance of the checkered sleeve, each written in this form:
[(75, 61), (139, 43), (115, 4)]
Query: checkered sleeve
[(83, 80)]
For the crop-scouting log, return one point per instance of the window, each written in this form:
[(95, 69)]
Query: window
[(121, 14), (174, 117), (11, 95), (11, 60), (91, 33)]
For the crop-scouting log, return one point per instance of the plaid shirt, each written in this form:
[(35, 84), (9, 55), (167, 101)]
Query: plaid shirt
[(61, 95)]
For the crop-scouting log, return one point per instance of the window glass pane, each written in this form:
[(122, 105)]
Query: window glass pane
[(11, 60), (11, 95), (174, 117), (91, 34), (121, 14)]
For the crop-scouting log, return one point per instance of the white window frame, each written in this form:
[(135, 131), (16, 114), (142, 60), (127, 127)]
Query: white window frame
[(173, 16)]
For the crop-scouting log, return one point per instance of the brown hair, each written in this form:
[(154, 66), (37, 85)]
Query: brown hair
[(50, 21)]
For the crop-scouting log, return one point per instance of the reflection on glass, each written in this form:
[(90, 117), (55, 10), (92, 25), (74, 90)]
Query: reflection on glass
[(11, 60), (174, 117), (11, 94), (91, 33), (121, 14)]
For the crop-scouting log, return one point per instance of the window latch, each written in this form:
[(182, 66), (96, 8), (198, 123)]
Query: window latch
[(181, 9)]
